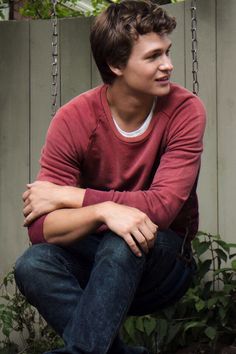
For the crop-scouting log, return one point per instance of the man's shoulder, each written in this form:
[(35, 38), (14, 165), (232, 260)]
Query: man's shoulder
[(81, 114), (86, 100), (180, 98)]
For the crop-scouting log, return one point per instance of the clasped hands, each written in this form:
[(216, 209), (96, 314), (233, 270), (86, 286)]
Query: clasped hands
[(42, 197), (131, 224)]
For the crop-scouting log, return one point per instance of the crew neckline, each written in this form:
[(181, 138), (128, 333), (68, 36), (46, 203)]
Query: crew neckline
[(142, 128), (108, 115)]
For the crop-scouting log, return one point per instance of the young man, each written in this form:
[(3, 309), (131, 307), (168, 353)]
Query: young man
[(114, 209)]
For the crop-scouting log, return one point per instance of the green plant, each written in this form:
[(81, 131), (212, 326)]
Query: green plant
[(19, 317), (205, 315)]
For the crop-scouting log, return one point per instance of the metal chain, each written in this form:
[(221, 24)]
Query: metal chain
[(194, 46), (54, 58)]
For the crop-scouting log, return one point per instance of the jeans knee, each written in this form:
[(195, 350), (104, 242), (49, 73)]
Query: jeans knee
[(117, 251), (28, 267)]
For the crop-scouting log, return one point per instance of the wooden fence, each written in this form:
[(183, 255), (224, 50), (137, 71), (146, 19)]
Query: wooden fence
[(25, 105)]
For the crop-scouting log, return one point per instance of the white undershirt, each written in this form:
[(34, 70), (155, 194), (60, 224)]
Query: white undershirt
[(141, 129)]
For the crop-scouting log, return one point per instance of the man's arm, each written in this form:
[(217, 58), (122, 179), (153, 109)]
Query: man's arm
[(66, 226)]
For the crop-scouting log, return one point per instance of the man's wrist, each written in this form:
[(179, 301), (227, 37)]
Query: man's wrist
[(72, 197), (102, 209)]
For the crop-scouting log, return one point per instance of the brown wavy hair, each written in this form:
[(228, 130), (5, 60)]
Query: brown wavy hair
[(115, 30)]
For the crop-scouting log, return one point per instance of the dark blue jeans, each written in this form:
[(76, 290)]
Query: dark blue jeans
[(85, 291)]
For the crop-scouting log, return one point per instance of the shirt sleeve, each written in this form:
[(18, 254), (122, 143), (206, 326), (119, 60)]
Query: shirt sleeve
[(174, 177), (59, 163)]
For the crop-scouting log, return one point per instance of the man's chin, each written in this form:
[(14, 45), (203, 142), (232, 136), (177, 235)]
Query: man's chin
[(163, 91)]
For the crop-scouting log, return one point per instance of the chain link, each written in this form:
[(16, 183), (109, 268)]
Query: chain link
[(54, 58), (194, 46)]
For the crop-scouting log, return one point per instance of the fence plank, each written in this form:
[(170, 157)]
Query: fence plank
[(207, 188), (14, 137), (40, 87), (178, 43), (75, 57), (226, 55)]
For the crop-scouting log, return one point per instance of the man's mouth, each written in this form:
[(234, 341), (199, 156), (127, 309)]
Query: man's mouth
[(164, 78)]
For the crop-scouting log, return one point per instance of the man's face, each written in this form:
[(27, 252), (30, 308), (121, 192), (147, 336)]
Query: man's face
[(149, 66)]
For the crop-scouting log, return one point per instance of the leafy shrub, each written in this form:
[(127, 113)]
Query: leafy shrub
[(18, 316), (205, 315)]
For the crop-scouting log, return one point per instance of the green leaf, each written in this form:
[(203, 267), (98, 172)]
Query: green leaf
[(202, 247), (204, 267), (223, 244), (221, 254), (211, 332), (195, 243), (212, 302), (194, 324), (140, 324), (173, 331), (162, 329), (200, 305), (232, 255), (233, 264), (222, 313), (129, 328), (149, 325), (232, 245)]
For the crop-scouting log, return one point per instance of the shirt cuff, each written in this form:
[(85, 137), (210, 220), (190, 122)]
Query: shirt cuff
[(93, 196), (35, 230)]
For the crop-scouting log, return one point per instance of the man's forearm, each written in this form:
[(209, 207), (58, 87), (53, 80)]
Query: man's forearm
[(65, 226)]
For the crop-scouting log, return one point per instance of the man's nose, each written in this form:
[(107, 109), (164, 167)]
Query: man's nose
[(166, 65)]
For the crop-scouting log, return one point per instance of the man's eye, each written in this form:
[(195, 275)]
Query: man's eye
[(168, 52), (154, 56)]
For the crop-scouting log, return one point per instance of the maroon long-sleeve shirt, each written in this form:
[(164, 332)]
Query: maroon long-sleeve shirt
[(155, 172)]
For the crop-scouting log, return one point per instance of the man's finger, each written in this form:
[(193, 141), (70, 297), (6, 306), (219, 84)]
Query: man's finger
[(27, 210), (25, 195), (29, 219), (141, 240), (148, 234), (153, 227), (26, 202), (132, 245)]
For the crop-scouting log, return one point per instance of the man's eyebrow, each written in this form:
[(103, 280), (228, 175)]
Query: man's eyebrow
[(157, 50)]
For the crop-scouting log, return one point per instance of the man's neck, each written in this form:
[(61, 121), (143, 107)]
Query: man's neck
[(129, 110)]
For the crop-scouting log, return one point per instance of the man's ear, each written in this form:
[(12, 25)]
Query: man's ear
[(117, 70)]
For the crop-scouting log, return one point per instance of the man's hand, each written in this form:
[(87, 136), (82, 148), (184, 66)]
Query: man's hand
[(42, 197), (134, 226)]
